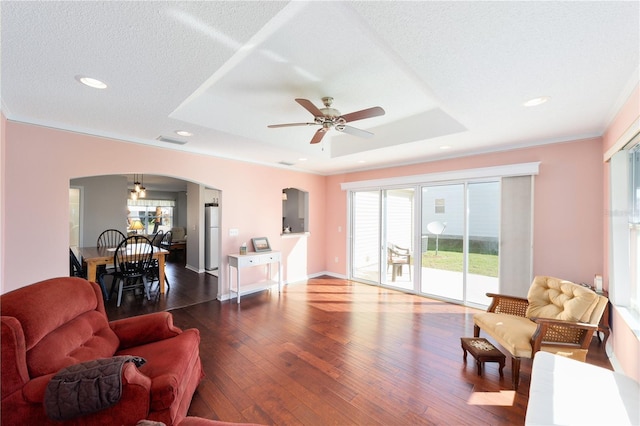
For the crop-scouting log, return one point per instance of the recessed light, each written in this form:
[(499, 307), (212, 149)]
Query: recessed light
[(362, 161), (183, 133), (302, 159), (445, 147), (91, 82), (537, 101)]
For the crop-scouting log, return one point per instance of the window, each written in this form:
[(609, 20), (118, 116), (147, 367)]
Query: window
[(155, 215), (624, 225), (74, 216), (295, 211), (634, 226)]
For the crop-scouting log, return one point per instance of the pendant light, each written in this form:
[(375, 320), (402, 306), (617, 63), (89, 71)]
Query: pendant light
[(136, 184), (138, 191), (142, 193)]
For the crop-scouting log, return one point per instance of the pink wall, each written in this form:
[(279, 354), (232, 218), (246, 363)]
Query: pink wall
[(627, 115), (567, 207), (42, 160), (3, 125), (568, 217)]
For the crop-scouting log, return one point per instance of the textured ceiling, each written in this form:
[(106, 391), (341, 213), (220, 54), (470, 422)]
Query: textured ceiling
[(451, 74)]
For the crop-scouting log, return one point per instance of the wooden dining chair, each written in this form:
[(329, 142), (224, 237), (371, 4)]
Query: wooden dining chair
[(109, 238), (164, 243), (133, 262), (156, 241), (167, 240), (75, 267), (77, 270)]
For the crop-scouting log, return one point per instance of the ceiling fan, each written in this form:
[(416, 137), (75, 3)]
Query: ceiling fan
[(328, 117)]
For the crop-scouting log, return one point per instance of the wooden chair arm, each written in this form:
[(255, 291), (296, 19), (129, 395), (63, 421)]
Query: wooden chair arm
[(504, 304), (570, 333), (552, 321), (402, 251)]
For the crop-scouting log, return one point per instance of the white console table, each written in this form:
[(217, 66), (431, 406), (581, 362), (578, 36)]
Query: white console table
[(250, 259)]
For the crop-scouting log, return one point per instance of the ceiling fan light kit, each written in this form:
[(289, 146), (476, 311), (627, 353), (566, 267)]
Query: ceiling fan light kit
[(329, 117)]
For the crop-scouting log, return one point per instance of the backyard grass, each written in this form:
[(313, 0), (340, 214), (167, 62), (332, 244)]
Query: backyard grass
[(481, 264)]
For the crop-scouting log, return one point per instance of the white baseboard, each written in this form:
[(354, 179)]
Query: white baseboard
[(194, 269), (300, 280)]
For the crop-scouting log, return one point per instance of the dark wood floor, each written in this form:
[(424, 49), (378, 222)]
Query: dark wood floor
[(186, 288), (331, 351)]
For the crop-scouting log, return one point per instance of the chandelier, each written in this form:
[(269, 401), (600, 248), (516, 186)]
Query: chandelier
[(138, 191)]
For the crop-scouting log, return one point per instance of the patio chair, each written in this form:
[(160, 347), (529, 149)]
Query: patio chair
[(397, 257)]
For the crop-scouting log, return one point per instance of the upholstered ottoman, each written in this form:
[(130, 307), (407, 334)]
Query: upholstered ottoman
[(482, 351)]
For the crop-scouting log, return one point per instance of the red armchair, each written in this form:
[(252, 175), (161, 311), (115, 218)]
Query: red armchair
[(62, 321)]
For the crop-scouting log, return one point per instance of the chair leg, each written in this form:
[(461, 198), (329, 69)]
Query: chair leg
[(120, 285), (515, 371), (166, 280), (103, 287), (113, 286), (146, 285)]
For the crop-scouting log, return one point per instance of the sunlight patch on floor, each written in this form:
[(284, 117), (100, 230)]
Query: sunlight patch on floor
[(502, 398)]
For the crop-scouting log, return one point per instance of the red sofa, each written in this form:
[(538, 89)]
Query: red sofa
[(60, 322)]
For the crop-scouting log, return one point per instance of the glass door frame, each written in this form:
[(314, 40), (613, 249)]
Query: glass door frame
[(465, 230), (498, 172), (416, 266), (465, 184), (381, 236), (385, 242), (79, 213), (351, 205)]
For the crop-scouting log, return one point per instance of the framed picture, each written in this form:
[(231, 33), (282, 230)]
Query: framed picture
[(261, 244)]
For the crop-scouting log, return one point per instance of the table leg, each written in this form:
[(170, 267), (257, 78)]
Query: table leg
[(279, 276), (91, 272), (238, 283)]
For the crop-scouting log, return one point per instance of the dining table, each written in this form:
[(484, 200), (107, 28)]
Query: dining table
[(92, 257)]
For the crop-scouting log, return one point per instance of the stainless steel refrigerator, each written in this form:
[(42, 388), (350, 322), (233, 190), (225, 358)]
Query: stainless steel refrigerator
[(211, 236)]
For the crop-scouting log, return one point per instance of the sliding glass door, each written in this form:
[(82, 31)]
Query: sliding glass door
[(454, 251), (365, 231), (398, 236), (461, 225), (443, 231), (483, 241), (382, 237)]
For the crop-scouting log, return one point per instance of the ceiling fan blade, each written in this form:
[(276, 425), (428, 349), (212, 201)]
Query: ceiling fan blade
[(309, 106), (355, 132), (319, 135), (365, 113), (275, 126)]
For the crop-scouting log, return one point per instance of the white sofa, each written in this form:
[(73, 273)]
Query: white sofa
[(568, 392)]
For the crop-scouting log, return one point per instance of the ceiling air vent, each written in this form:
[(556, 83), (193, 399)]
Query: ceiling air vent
[(169, 140), (284, 163)]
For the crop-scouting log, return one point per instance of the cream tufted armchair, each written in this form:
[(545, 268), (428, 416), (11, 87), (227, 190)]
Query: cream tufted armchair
[(557, 316)]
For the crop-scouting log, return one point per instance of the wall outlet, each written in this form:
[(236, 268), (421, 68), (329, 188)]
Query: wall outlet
[(233, 232), (336, 259), (339, 228)]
